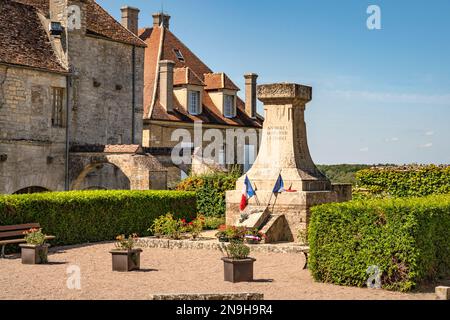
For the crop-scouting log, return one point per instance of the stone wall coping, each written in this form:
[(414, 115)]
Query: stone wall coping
[(214, 244)]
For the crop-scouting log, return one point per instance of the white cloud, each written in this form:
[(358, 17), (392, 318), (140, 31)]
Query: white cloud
[(365, 149), (427, 145), (429, 133)]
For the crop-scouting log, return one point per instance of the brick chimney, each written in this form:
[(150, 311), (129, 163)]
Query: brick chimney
[(130, 18), (166, 84), (250, 94), (161, 18)]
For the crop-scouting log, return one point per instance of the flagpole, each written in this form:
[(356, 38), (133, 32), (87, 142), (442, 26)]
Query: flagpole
[(279, 174)]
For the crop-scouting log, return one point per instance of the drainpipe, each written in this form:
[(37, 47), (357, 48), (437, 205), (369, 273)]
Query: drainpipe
[(67, 180), (133, 99)]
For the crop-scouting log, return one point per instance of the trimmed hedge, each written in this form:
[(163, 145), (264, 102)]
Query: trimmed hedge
[(90, 216), (210, 190), (407, 181), (408, 239)]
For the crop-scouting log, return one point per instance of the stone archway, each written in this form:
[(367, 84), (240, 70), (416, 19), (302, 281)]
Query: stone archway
[(138, 171), (30, 190), (101, 176)]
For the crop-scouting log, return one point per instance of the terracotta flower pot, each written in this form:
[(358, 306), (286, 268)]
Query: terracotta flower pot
[(34, 254), (238, 270), (126, 260)]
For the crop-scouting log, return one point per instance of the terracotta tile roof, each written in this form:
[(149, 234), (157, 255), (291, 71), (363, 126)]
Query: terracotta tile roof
[(98, 22), (161, 45), (185, 75), (152, 39), (23, 38), (215, 81), (101, 23)]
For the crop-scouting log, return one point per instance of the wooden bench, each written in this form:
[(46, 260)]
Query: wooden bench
[(15, 234)]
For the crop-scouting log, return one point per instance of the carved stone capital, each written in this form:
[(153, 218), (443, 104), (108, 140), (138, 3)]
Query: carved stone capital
[(281, 93)]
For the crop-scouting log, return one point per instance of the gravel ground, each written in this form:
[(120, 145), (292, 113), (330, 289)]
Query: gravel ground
[(278, 276)]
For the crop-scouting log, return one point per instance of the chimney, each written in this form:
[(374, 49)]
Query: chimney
[(166, 84), (130, 19), (161, 18), (250, 94)]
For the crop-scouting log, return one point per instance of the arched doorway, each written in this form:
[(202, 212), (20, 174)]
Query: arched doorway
[(30, 190), (102, 176)]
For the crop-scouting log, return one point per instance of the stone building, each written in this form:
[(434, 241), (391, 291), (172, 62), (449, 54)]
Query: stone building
[(181, 91), (71, 102)]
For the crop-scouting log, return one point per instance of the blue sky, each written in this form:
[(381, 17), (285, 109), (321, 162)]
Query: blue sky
[(380, 96)]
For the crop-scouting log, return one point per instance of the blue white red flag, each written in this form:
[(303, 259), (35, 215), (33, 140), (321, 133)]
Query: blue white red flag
[(279, 186), (247, 193)]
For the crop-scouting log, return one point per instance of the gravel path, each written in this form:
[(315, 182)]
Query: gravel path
[(278, 276)]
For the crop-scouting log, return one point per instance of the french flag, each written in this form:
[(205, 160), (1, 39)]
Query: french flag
[(279, 185), (247, 193)]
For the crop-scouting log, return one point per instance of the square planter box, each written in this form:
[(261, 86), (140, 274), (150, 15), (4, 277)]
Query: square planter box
[(238, 270), (32, 254), (124, 261)]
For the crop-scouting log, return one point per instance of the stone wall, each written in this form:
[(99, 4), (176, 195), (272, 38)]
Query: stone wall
[(102, 94), (34, 149), (159, 135)]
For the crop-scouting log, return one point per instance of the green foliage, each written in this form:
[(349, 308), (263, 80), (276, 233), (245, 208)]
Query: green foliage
[(407, 238), (342, 173), (407, 181), (124, 243), (213, 223), (91, 216), (236, 250), (168, 226), (210, 190), (35, 237)]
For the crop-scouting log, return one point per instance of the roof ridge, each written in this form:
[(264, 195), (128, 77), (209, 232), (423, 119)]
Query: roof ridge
[(119, 24)]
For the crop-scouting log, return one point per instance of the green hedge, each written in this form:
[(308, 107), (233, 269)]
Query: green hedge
[(407, 238), (91, 216), (210, 190), (407, 181)]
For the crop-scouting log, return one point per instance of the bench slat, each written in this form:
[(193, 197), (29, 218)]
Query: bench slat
[(26, 226), (11, 234), (15, 241)]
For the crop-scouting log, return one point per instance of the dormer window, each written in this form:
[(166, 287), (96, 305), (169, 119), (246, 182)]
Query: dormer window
[(194, 102), (179, 55), (229, 108)]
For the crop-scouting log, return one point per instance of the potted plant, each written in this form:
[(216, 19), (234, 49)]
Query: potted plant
[(125, 257), (35, 251), (238, 267)]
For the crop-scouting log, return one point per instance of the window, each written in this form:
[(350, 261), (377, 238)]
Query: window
[(249, 157), (194, 102), (179, 55), (228, 108), (57, 107)]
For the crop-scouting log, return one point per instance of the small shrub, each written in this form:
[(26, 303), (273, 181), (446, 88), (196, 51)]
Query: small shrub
[(123, 243), (236, 250), (210, 191), (213, 223), (35, 237), (231, 233), (168, 226), (195, 227)]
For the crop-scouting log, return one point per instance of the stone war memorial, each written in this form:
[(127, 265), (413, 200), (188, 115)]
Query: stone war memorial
[(284, 152)]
